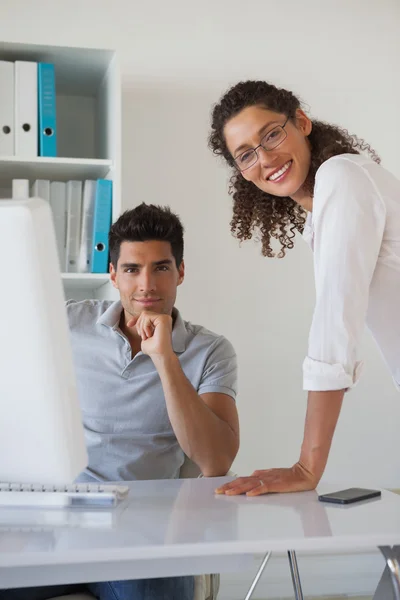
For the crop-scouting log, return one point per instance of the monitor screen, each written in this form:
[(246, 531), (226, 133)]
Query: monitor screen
[(41, 430)]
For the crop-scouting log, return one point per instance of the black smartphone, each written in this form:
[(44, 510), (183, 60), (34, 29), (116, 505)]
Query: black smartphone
[(349, 496)]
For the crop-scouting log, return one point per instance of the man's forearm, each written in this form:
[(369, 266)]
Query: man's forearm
[(323, 411), (204, 437)]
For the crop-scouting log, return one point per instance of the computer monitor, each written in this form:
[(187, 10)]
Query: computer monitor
[(41, 430)]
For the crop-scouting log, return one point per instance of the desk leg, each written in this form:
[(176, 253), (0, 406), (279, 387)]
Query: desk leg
[(389, 585), (258, 575), (294, 570)]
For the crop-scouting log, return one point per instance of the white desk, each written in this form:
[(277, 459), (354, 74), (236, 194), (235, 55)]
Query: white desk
[(179, 527)]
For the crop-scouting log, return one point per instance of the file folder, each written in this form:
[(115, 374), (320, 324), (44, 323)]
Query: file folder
[(41, 189), (101, 225), (47, 110), (86, 243), (6, 108), (58, 204), (20, 189), (74, 209), (26, 111)]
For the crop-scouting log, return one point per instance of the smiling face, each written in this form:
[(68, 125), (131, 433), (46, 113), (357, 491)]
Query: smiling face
[(282, 170), (147, 277)]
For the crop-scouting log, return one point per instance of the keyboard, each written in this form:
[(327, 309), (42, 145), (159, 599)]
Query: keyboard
[(62, 496)]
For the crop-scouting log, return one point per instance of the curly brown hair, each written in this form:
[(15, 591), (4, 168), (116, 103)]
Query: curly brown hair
[(255, 212)]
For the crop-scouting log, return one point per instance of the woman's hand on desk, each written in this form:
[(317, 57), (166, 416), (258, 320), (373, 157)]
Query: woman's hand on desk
[(322, 414), (295, 479)]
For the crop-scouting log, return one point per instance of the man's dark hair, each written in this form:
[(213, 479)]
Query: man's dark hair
[(144, 223)]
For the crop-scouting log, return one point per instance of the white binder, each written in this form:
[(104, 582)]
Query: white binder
[(6, 108), (86, 241), (74, 209), (20, 189), (26, 109), (58, 203), (41, 189)]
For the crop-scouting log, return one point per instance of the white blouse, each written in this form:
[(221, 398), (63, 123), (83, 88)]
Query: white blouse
[(354, 231)]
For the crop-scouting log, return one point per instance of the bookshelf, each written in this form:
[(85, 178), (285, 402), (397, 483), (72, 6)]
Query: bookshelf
[(56, 169), (88, 97), (85, 281)]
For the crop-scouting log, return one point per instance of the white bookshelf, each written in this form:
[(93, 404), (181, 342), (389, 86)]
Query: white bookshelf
[(56, 169), (88, 95), (85, 281)]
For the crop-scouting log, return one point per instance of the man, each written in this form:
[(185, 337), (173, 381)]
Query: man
[(152, 387)]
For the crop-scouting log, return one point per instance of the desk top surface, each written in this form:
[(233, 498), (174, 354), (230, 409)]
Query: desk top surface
[(181, 518)]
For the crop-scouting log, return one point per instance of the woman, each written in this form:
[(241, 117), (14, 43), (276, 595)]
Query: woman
[(292, 173)]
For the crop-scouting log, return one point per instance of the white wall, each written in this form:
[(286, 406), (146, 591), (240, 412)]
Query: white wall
[(177, 58)]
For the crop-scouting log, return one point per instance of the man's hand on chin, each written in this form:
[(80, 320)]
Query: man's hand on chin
[(156, 333)]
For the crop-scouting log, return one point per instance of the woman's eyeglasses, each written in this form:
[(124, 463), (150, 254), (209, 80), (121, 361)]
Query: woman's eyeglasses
[(269, 141)]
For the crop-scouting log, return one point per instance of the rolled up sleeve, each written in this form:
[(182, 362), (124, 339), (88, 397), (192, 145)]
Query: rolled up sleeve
[(220, 370), (348, 221)]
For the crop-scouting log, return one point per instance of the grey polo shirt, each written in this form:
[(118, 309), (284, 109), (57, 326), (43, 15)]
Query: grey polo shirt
[(128, 433)]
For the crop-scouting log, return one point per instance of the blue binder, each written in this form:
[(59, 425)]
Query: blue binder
[(47, 110), (101, 226)]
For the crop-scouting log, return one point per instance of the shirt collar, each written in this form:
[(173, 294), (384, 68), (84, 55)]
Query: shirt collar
[(179, 333), (111, 318)]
